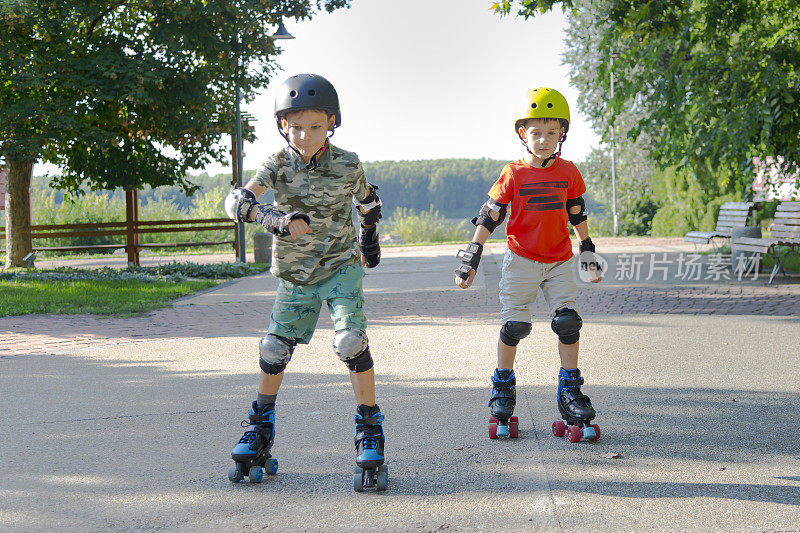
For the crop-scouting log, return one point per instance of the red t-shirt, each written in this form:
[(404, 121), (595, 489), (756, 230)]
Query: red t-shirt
[(536, 197)]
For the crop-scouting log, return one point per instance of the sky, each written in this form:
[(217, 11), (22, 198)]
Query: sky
[(421, 79)]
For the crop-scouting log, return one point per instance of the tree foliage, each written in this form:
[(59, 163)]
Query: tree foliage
[(130, 92), (712, 83)]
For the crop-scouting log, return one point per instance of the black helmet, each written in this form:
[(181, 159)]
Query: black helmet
[(307, 91)]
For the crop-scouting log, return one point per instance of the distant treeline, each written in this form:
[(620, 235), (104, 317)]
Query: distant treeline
[(454, 187)]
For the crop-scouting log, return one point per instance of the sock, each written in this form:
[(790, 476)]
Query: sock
[(266, 402)]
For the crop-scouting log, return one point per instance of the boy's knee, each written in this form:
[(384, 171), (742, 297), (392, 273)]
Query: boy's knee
[(512, 332), (567, 324), (275, 352)]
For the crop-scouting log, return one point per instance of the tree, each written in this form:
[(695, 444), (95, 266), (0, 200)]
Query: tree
[(712, 83), (125, 93)]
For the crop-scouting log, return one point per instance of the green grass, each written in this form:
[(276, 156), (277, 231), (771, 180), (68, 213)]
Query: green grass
[(108, 291), (95, 297)]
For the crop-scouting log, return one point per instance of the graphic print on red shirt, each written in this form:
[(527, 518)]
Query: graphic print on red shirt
[(537, 223)]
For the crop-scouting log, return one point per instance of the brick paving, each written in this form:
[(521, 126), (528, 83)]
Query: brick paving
[(39, 334)]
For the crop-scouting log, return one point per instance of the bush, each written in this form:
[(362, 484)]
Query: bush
[(424, 226)]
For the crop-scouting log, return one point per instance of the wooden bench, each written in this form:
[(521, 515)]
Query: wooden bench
[(731, 215), (784, 238)]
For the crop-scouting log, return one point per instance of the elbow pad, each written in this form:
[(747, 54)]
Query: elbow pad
[(239, 203), (581, 216), (484, 217), (371, 207)]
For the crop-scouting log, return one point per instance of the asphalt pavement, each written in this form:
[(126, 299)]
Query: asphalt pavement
[(127, 424)]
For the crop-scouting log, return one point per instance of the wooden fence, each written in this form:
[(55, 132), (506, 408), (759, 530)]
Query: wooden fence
[(132, 228)]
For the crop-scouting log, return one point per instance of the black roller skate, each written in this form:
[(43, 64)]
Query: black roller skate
[(370, 470), (576, 409), (502, 402), (252, 452)]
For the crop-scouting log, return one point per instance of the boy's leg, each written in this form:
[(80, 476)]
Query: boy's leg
[(293, 319), (345, 297), (560, 290), (519, 283)]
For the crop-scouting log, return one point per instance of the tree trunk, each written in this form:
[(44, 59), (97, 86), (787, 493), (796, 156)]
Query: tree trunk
[(18, 212)]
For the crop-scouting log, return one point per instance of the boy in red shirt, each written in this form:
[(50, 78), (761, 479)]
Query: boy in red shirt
[(542, 192)]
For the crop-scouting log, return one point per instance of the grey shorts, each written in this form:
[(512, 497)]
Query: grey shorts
[(520, 282)]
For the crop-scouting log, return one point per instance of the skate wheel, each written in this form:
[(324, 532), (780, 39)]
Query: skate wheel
[(492, 420), (493, 430), (233, 474), (358, 480), (596, 432), (588, 433), (513, 427), (503, 430), (256, 474), (272, 466), (559, 428), (574, 434), (382, 478)]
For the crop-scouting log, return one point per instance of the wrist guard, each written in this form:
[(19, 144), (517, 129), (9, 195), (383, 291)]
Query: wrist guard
[(371, 207), (470, 259), (369, 245), (484, 217), (239, 203), (586, 245), (580, 216), (274, 220)]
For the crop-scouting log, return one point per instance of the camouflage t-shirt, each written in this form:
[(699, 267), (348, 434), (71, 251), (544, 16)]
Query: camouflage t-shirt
[(326, 195)]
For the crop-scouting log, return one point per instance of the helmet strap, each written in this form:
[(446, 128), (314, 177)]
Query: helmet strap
[(557, 152), (312, 163)]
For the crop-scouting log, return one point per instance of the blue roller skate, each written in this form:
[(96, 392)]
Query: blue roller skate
[(576, 409), (252, 452), (370, 470), (502, 402)]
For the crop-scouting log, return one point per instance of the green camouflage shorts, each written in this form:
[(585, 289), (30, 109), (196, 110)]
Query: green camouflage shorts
[(297, 307)]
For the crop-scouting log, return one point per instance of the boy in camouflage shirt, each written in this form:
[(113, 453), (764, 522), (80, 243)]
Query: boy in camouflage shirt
[(315, 257)]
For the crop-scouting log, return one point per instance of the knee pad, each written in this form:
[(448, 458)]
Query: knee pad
[(512, 332), (274, 353), (567, 324), (361, 362), (352, 347)]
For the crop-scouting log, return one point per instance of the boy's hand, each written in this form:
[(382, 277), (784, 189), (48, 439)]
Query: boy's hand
[(588, 260), (297, 227), (465, 284)]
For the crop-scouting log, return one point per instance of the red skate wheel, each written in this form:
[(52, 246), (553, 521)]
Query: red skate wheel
[(493, 430), (574, 434), (596, 432), (492, 420), (513, 428), (559, 428)]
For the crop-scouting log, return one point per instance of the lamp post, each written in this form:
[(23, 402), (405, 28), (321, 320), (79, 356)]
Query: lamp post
[(613, 155), (280, 33)]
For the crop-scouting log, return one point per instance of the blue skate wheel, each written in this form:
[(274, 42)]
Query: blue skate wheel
[(502, 430), (233, 474), (358, 480), (382, 478), (256, 474), (272, 466), (588, 433)]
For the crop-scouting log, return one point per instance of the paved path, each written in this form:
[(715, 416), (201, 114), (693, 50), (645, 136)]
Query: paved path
[(120, 424)]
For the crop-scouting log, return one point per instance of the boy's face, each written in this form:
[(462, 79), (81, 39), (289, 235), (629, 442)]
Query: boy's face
[(541, 136), (307, 130)]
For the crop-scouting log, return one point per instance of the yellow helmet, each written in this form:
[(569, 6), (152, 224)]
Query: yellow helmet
[(543, 102)]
